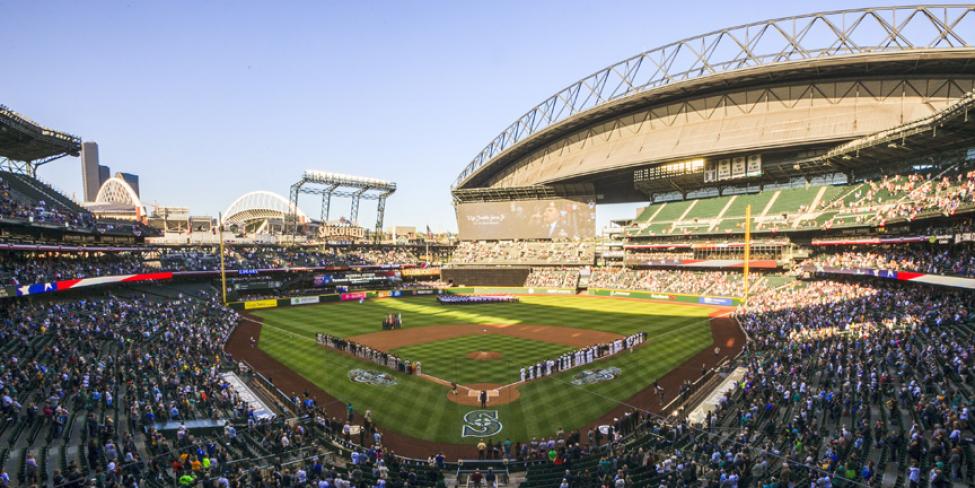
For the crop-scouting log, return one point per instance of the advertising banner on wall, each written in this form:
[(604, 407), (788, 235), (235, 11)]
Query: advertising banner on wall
[(723, 301), (356, 279), (258, 304), (527, 219), (357, 295), (305, 300), (406, 272)]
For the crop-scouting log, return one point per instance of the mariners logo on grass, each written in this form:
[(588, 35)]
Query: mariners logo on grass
[(371, 377), (591, 376), (481, 423)]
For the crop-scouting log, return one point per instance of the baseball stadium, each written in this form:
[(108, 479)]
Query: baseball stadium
[(791, 303)]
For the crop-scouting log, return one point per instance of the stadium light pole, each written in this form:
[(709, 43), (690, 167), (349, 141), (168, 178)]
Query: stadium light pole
[(223, 270)]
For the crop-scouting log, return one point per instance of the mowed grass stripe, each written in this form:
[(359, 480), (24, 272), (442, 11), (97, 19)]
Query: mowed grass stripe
[(420, 408)]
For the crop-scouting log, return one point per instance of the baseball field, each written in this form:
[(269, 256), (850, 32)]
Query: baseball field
[(483, 347)]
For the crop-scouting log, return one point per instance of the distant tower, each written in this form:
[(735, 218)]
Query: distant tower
[(131, 179), (90, 178), (104, 173)]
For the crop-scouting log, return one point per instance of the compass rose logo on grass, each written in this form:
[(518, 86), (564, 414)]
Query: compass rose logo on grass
[(481, 423), (590, 376), (371, 377)]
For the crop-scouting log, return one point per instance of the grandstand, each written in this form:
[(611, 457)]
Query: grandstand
[(849, 361)]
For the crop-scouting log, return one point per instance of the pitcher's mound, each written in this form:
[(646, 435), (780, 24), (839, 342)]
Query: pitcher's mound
[(484, 355)]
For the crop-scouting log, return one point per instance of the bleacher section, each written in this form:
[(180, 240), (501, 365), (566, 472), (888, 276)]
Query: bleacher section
[(522, 253), (37, 190), (871, 203)]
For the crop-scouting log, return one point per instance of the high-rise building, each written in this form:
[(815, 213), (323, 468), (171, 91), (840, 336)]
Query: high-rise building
[(104, 173), (90, 176), (131, 179)]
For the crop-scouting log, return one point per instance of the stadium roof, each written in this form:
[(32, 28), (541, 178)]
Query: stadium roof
[(949, 129), (22, 139), (837, 43)]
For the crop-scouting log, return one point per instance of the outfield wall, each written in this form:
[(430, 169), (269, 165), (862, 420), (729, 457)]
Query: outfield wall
[(673, 297), (508, 290), (478, 290), (334, 297)]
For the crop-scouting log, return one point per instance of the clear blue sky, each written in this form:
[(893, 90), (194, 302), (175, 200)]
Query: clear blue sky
[(208, 100)]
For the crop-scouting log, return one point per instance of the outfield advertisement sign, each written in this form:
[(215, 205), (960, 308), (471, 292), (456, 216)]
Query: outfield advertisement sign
[(305, 300), (409, 272), (357, 295), (722, 301), (551, 291), (258, 304), (726, 302)]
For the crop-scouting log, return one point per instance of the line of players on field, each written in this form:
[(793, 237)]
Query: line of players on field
[(581, 357)]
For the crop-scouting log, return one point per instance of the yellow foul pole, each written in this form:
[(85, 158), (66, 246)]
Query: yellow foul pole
[(748, 250), (223, 270)]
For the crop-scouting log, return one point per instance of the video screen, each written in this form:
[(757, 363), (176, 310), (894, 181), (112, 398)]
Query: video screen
[(527, 219)]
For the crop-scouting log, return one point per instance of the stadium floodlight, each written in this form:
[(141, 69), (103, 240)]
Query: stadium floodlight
[(329, 178), (329, 184)]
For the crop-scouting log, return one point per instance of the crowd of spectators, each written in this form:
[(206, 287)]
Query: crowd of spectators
[(870, 372), (553, 277), (845, 383), (13, 207), (907, 197), (37, 267), (282, 257), (956, 260), (90, 363), (98, 378), (721, 283), (29, 268), (523, 252)]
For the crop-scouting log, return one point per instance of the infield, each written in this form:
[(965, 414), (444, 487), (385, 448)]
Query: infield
[(450, 359), (423, 409)]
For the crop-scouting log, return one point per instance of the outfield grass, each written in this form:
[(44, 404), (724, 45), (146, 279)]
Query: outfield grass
[(421, 409), (448, 359)]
